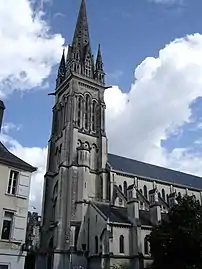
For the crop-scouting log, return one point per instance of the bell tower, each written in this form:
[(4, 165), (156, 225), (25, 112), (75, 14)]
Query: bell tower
[(77, 152)]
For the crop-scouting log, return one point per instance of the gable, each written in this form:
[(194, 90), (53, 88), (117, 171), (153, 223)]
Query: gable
[(7, 158), (137, 168)]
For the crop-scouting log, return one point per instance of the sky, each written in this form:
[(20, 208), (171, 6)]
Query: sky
[(152, 51)]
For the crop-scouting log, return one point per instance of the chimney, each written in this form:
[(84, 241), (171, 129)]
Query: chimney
[(2, 108)]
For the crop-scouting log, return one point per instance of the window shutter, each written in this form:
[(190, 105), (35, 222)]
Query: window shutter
[(19, 224), (23, 185)]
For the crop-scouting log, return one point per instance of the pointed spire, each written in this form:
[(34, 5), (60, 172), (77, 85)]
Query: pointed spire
[(81, 34), (61, 70), (99, 62), (99, 71)]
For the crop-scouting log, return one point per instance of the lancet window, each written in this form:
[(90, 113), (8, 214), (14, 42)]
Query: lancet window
[(79, 111), (87, 111), (94, 108)]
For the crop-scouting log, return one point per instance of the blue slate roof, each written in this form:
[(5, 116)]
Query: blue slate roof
[(155, 172), (114, 213)]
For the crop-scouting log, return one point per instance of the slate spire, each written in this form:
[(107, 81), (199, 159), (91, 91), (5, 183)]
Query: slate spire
[(61, 69), (99, 71), (81, 35)]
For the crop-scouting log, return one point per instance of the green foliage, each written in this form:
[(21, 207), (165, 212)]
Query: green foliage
[(177, 242)]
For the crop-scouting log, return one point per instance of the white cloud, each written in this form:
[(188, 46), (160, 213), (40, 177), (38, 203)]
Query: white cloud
[(158, 104), (28, 51), (8, 126), (169, 2)]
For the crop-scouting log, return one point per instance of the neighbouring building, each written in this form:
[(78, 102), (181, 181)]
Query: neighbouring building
[(32, 239), (15, 176), (33, 231), (98, 208)]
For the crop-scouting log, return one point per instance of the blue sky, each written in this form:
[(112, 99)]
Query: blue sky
[(128, 31)]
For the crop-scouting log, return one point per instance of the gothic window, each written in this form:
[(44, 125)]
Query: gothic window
[(94, 108), (87, 111), (56, 121), (50, 255), (108, 187), (125, 188), (167, 197), (120, 200), (62, 117), (141, 191), (179, 194), (163, 194), (121, 244), (96, 244), (66, 111), (79, 111), (101, 187), (77, 56), (146, 246), (145, 191)]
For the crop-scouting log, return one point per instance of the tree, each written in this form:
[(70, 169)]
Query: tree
[(177, 242)]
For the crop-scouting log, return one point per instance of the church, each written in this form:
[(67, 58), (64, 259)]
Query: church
[(98, 208)]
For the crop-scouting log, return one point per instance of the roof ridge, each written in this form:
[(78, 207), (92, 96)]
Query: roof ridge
[(155, 165)]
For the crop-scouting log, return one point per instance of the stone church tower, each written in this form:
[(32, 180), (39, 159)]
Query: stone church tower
[(77, 153)]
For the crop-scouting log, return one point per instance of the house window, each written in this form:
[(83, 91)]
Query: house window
[(7, 225), (12, 183), (121, 244), (96, 244)]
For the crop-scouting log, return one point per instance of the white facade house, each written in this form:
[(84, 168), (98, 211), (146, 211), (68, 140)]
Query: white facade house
[(98, 208), (15, 176)]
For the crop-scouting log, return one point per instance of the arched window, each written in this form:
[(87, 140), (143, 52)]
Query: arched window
[(146, 246), (141, 191), (96, 244), (163, 194), (179, 194), (101, 187), (55, 190), (87, 111), (167, 197), (125, 188), (50, 254), (94, 108), (121, 244), (120, 200), (145, 191), (108, 187), (79, 111), (66, 111)]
